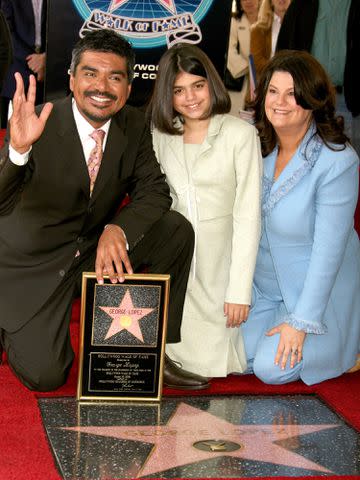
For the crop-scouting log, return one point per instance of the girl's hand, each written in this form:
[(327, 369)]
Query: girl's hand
[(236, 314)]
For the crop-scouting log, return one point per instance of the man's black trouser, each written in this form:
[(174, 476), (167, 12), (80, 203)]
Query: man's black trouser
[(40, 352)]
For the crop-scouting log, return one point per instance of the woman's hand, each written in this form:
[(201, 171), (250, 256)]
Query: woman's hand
[(236, 314), (290, 344)]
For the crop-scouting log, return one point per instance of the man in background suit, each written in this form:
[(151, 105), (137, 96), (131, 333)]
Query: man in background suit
[(27, 23), (6, 53), (54, 225)]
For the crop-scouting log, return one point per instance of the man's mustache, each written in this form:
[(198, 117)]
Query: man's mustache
[(97, 93)]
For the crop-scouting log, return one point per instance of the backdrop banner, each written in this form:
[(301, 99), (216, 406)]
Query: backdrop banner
[(151, 26)]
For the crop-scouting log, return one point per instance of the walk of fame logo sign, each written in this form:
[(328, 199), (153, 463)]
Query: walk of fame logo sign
[(146, 23), (122, 337)]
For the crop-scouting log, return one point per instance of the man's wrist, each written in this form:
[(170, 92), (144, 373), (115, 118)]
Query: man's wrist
[(20, 150), (17, 157), (122, 231)]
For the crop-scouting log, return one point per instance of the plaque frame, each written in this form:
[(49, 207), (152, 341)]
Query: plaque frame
[(115, 363)]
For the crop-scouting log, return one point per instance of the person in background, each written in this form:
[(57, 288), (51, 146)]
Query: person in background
[(64, 172), (329, 30), (245, 15), (212, 163), (6, 52), (304, 319), (27, 23), (264, 33)]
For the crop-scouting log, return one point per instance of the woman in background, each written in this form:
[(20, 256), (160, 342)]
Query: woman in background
[(304, 320), (212, 162), (264, 33), (245, 15)]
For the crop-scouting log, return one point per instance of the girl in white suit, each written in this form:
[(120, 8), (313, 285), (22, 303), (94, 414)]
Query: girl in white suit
[(213, 166)]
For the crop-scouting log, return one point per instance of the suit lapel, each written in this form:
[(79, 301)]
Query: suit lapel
[(213, 131), (176, 143), (295, 163), (72, 151), (70, 146), (301, 164)]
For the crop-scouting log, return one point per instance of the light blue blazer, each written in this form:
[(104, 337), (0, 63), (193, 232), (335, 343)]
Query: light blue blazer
[(308, 218)]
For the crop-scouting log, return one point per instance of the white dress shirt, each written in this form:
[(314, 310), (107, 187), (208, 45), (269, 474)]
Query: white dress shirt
[(275, 29), (37, 7)]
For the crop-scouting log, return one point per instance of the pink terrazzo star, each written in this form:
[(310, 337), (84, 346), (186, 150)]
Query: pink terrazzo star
[(173, 443), (168, 4), (126, 317)]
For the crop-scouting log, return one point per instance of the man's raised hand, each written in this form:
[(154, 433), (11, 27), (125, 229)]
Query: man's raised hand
[(26, 126)]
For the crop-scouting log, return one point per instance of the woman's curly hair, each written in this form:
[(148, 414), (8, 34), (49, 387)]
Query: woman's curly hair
[(313, 91)]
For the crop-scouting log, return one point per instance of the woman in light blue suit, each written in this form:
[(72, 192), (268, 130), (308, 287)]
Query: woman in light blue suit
[(305, 316)]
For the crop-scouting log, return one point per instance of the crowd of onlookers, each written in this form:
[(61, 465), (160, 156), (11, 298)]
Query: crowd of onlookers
[(254, 30), (324, 28)]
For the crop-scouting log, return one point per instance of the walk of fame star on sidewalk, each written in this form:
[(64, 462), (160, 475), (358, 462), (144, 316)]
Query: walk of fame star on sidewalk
[(126, 317), (173, 442)]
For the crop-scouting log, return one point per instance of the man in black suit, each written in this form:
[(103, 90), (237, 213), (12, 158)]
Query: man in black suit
[(54, 226), (6, 53), (27, 23)]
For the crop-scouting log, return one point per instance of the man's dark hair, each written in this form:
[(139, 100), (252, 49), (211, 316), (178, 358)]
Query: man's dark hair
[(107, 41)]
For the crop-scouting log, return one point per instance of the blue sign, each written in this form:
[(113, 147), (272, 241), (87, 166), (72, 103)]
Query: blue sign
[(146, 23)]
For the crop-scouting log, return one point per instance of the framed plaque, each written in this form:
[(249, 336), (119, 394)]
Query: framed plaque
[(122, 338)]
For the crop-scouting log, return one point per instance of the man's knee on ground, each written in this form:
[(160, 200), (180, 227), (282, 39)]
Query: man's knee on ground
[(46, 378)]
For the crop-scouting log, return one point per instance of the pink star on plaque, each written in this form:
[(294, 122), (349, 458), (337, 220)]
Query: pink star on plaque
[(126, 317), (173, 443), (168, 4)]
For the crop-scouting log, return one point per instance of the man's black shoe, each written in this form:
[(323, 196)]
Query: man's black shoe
[(176, 377)]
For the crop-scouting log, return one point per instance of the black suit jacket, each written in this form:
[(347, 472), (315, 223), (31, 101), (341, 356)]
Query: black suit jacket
[(297, 33), (46, 213), (6, 53), (20, 18)]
